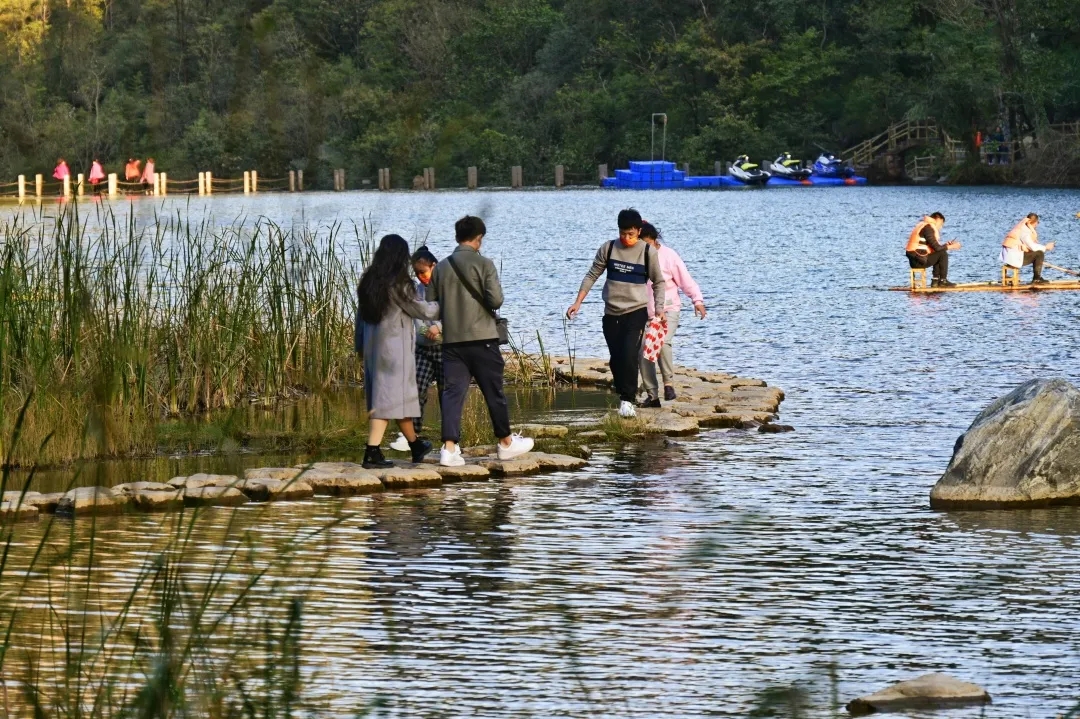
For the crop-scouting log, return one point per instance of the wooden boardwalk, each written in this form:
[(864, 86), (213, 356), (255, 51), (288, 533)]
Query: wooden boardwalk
[(992, 287)]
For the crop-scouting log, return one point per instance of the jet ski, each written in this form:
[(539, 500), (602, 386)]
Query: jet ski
[(747, 172), (788, 167), (829, 165)]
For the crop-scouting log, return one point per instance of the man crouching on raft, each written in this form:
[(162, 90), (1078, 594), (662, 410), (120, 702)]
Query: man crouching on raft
[(1021, 247), (924, 249)]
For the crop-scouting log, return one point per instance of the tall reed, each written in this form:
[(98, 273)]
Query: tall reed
[(114, 325)]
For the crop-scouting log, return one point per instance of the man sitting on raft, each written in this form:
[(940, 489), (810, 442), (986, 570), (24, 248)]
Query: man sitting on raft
[(924, 249), (1021, 248)]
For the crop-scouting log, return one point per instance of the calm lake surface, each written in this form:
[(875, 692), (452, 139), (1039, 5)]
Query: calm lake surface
[(693, 575)]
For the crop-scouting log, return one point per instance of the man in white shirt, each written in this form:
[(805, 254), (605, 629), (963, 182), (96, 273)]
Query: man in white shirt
[(1021, 248)]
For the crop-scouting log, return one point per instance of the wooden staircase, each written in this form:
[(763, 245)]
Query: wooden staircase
[(901, 137)]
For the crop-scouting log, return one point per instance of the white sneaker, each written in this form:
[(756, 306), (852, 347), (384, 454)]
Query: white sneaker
[(451, 459), (518, 446), (400, 444), (626, 410)]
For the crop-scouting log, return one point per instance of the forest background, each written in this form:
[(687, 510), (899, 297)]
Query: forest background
[(273, 85)]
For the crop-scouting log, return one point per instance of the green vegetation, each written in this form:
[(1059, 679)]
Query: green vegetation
[(361, 84), (110, 331)]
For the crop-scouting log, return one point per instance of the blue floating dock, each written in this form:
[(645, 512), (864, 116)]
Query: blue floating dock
[(662, 175)]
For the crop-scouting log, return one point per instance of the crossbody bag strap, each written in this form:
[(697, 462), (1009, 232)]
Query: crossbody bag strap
[(469, 288)]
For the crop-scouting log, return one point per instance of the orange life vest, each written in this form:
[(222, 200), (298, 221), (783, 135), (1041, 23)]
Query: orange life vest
[(1012, 240), (915, 240)]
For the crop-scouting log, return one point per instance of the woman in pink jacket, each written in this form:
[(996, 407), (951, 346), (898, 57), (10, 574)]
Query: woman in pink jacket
[(676, 278)]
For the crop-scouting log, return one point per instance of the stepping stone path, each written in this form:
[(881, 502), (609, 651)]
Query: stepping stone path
[(705, 399)]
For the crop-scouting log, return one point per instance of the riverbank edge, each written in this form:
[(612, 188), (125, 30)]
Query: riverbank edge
[(705, 400)]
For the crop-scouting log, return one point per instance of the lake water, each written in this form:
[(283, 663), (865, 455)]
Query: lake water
[(691, 576)]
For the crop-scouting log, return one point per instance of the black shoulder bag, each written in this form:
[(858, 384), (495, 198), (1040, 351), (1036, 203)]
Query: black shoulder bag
[(502, 325)]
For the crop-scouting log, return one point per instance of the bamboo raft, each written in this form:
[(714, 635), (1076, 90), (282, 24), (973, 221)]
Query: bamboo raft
[(992, 287)]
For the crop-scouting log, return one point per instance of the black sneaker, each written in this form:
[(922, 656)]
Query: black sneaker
[(1040, 281), (942, 283), (650, 403), (669, 393), (419, 449), (374, 459)]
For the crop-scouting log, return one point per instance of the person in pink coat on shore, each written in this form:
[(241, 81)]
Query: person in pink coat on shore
[(676, 278)]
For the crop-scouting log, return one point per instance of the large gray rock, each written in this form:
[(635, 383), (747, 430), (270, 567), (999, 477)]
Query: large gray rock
[(86, 501), (1021, 451), (929, 690)]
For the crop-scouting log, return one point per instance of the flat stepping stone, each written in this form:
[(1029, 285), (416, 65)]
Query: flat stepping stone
[(464, 473), (132, 487), (149, 500), (278, 473), (593, 434), (343, 485), (483, 450), (275, 490), (86, 501), (511, 467), (209, 495), (929, 690), (46, 503), (544, 431), (408, 477), (16, 512), (199, 480), (672, 424), (555, 462)]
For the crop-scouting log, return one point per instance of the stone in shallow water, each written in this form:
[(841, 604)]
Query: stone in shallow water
[(275, 490), (278, 473), (343, 485), (1022, 450), (770, 428), (15, 512), (132, 487), (555, 462), (541, 431), (201, 479), (594, 434), (511, 467), (46, 503), (209, 495), (483, 450), (672, 424), (408, 476), (86, 501), (464, 473), (926, 691), (147, 500)]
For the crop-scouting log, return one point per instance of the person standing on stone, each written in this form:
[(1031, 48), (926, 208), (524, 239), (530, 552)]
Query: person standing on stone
[(387, 307), (676, 278), (466, 286), (428, 345), (1021, 248), (630, 264)]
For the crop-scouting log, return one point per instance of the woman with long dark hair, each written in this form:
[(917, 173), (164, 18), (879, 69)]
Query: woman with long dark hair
[(387, 307)]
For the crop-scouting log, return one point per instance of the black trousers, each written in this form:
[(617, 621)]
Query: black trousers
[(463, 362), (938, 260), (1036, 260), (623, 335)]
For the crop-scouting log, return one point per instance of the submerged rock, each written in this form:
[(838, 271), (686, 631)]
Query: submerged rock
[(770, 428), (1021, 451), (928, 690), (86, 501)]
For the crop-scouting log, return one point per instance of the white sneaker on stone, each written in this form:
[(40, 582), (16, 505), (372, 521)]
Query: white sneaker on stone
[(400, 444), (451, 459), (518, 446), (626, 410)]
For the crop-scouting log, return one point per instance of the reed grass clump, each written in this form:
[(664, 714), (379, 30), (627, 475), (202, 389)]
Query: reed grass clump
[(112, 326)]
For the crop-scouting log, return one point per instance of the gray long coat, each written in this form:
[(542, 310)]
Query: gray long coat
[(390, 359)]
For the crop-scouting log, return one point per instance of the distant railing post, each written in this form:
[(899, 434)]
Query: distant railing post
[(515, 176), (382, 180), (299, 180), (39, 182), (112, 186), (254, 181), (292, 180), (386, 177), (601, 172), (202, 184), (247, 182), (471, 181), (22, 188), (559, 175), (157, 184), (209, 183), (164, 177), (718, 168), (79, 181), (67, 187)]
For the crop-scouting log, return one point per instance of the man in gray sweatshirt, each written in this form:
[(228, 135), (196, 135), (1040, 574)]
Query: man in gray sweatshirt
[(630, 264)]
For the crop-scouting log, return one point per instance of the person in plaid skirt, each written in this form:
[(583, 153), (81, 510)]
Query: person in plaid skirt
[(428, 344)]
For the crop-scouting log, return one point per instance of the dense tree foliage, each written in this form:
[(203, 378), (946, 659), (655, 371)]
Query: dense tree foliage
[(228, 85)]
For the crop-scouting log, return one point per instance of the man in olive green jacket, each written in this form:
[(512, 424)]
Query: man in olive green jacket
[(471, 341)]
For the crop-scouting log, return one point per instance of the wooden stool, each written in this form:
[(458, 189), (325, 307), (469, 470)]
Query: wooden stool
[(918, 271), (1010, 279)]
